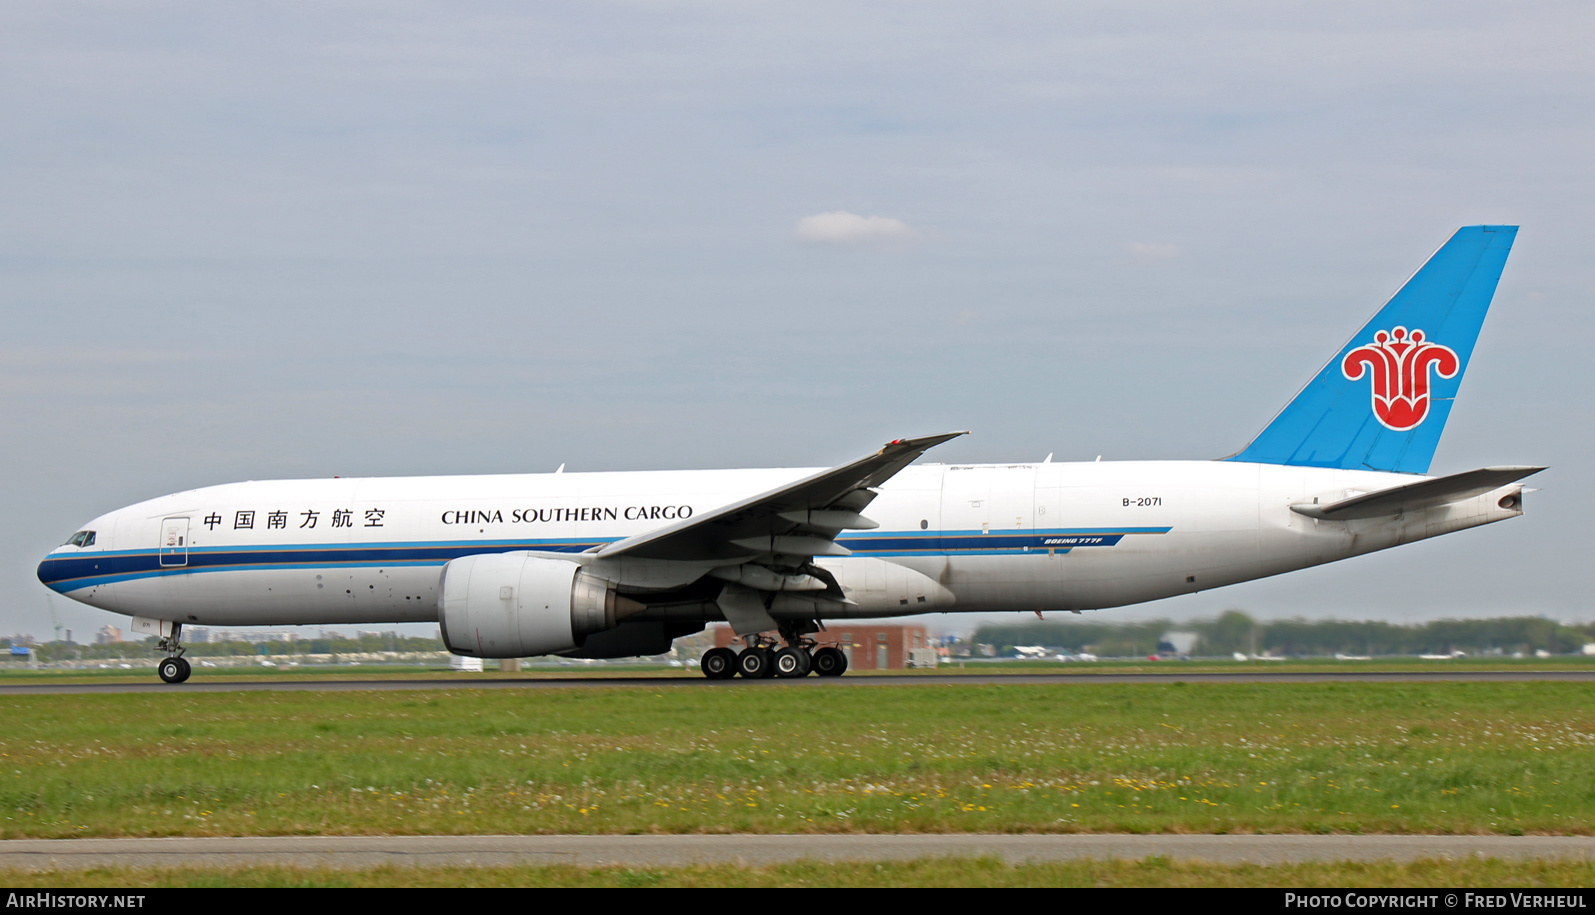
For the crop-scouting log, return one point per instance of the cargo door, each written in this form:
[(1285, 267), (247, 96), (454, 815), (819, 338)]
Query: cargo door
[(965, 503)]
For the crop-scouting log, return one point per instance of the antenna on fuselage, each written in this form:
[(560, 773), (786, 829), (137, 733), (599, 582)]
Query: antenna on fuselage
[(560, 469)]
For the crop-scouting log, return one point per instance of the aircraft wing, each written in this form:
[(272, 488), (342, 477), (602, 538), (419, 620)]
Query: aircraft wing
[(799, 519), (1420, 495)]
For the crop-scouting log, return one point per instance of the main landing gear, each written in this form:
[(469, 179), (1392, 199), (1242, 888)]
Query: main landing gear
[(765, 658), (175, 669)]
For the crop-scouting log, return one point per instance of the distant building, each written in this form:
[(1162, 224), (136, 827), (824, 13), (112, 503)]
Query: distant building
[(108, 635), (868, 646), (254, 635), (1183, 643)]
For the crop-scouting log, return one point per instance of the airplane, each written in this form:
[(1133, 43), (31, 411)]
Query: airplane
[(619, 564)]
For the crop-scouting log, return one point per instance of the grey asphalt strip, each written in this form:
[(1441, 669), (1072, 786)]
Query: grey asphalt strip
[(200, 686), (671, 851)]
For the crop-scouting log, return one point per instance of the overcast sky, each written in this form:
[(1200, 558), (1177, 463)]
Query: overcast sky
[(255, 240)]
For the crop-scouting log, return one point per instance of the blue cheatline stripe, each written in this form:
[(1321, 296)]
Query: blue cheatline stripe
[(86, 570), (68, 573)]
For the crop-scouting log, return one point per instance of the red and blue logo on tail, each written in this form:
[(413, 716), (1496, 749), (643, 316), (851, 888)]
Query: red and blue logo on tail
[(1398, 365), (1382, 402)]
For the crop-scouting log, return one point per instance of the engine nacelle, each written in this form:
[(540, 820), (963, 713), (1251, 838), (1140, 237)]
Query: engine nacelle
[(514, 605)]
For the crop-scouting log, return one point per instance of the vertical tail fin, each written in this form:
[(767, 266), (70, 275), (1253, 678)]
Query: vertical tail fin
[(1382, 402)]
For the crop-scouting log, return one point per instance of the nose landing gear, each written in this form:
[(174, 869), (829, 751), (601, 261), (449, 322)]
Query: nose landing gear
[(175, 669)]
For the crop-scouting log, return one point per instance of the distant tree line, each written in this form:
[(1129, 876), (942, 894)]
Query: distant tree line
[(1235, 631)]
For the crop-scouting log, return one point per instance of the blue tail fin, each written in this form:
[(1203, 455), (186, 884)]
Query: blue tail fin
[(1382, 402)]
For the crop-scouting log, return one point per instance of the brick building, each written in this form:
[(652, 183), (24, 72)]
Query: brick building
[(868, 646)]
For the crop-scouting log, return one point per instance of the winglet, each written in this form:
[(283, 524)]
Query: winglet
[(899, 453)]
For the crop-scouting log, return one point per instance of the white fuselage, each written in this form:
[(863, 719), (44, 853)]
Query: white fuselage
[(985, 537)]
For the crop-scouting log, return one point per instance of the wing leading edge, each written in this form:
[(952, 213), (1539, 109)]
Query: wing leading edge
[(798, 519), (765, 545)]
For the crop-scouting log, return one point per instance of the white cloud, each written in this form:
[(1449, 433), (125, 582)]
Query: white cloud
[(843, 228), (1153, 251)]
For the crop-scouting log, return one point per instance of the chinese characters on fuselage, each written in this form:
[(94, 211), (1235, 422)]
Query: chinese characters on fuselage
[(277, 519), (245, 519)]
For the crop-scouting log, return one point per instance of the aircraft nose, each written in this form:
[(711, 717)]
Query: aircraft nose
[(50, 572)]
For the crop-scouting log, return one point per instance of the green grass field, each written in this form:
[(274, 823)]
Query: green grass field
[(143, 670), (939, 757)]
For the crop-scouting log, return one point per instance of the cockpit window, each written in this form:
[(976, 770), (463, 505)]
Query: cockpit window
[(82, 538)]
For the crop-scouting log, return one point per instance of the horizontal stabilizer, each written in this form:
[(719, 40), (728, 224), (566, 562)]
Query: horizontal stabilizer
[(1417, 496)]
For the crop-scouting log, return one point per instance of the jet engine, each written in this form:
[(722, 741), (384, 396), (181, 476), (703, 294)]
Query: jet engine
[(514, 605)]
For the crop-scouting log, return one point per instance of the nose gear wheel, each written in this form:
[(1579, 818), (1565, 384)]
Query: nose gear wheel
[(175, 669)]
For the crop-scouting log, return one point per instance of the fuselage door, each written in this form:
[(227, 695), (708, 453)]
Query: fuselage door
[(174, 542)]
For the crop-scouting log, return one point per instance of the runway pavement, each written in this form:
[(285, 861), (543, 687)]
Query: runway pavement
[(675, 851), (272, 683)]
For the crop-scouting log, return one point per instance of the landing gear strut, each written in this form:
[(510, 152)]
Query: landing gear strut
[(175, 669), (797, 658)]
